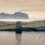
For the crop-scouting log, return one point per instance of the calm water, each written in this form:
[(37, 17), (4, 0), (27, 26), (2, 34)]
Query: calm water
[(27, 38)]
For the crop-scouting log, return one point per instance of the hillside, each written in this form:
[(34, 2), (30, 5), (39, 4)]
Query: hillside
[(39, 23)]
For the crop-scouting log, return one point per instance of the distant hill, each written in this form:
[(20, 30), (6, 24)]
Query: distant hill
[(39, 23), (6, 23), (33, 22)]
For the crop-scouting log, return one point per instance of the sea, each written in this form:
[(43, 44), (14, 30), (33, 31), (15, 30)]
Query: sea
[(26, 38)]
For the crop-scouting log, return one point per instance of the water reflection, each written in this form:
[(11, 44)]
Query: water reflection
[(27, 38), (18, 38)]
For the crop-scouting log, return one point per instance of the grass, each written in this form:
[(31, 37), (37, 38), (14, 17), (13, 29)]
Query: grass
[(33, 25), (23, 25), (7, 26)]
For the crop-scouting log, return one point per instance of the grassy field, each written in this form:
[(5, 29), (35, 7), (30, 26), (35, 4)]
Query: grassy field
[(33, 25), (7, 26), (23, 25)]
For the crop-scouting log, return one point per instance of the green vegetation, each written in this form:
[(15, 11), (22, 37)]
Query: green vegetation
[(33, 24), (39, 23), (7, 26), (23, 25)]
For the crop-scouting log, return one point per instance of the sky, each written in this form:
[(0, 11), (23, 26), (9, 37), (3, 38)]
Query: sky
[(35, 8), (15, 5)]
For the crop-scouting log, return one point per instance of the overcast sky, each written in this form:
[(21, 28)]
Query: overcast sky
[(35, 6), (14, 5)]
